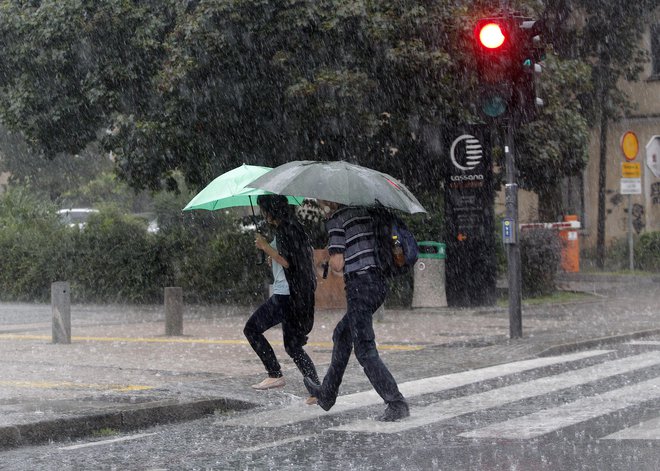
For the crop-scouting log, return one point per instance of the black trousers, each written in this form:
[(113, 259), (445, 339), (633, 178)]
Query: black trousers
[(278, 309), (364, 295)]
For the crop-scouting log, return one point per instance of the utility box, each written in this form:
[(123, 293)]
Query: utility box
[(429, 278)]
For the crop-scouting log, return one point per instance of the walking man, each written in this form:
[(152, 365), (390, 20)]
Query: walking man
[(351, 246), (292, 303)]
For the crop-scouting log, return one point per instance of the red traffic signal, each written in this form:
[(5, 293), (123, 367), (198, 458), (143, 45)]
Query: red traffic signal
[(495, 48), (490, 35), (506, 51)]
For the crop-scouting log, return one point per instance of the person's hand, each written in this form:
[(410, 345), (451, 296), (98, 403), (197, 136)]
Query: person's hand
[(260, 242)]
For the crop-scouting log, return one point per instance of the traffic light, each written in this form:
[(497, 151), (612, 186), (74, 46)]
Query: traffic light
[(532, 52), (508, 50), (494, 51)]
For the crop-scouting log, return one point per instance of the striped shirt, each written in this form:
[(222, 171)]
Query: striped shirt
[(350, 231)]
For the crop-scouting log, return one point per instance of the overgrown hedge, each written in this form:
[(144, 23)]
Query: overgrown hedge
[(647, 252), (617, 258), (540, 254), (115, 259)]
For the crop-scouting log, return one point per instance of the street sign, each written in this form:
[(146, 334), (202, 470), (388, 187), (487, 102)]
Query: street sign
[(631, 186), (508, 231), (631, 170), (653, 155), (629, 145)]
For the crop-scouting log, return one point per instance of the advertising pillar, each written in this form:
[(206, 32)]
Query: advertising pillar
[(469, 213)]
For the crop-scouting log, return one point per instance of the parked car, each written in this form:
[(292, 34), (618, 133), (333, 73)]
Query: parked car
[(76, 217)]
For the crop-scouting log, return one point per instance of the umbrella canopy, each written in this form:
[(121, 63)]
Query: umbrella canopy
[(340, 182), (230, 190)]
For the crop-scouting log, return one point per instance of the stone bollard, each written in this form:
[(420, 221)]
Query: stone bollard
[(173, 311), (60, 300)]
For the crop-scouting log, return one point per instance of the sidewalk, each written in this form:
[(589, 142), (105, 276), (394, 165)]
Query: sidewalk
[(120, 372)]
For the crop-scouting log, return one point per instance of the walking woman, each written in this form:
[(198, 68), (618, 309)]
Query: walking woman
[(292, 303)]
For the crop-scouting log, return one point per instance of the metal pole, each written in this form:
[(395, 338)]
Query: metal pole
[(630, 235), (60, 300), (513, 249)]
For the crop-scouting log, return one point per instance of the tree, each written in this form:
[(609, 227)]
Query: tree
[(66, 66), (53, 177), (200, 87), (555, 145), (607, 35)]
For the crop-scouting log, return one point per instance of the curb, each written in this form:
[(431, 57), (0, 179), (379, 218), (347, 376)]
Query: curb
[(145, 415), (591, 343)]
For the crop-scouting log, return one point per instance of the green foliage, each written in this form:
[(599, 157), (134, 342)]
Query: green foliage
[(616, 258), (105, 189), (52, 176), (556, 144), (34, 247), (114, 259), (647, 252), (540, 255)]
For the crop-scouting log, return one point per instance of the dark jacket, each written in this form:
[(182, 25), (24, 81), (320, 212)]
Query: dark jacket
[(295, 246)]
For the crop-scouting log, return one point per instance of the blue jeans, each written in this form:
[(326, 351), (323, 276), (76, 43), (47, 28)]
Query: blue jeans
[(364, 295), (276, 310)]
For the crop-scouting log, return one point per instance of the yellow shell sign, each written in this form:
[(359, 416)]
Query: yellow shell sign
[(629, 145)]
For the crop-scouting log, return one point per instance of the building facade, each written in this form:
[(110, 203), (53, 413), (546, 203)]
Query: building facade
[(644, 122)]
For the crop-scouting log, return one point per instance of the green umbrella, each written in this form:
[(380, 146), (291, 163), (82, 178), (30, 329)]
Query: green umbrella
[(229, 190)]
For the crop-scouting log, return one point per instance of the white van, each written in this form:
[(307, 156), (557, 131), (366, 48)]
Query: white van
[(73, 217)]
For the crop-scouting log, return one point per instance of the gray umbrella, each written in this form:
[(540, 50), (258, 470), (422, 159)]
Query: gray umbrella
[(340, 182)]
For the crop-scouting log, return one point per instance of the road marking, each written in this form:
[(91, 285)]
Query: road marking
[(108, 442), (451, 408), (301, 412), (549, 420), (265, 446), (72, 385), (649, 430), (645, 342), (393, 347)]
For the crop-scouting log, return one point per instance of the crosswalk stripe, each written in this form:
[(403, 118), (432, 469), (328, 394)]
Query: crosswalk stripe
[(264, 446), (301, 412), (549, 420), (444, 410), (108, 442), (648, 430)]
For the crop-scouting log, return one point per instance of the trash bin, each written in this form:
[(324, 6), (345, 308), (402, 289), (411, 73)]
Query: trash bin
[(429, 279)]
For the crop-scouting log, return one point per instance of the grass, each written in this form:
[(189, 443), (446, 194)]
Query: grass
[(594, 271), (105, 432), (557, 297)]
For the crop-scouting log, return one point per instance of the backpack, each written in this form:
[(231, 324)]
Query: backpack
[(387, 225)]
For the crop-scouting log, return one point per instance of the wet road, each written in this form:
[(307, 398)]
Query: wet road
[(595, 409)]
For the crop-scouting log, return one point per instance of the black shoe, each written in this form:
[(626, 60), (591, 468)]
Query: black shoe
[(315, 390), (395, 411)]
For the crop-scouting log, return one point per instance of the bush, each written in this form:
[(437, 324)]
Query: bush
[(647, 252), (34, 247), (209, 254), (540, 254), (116, 259)]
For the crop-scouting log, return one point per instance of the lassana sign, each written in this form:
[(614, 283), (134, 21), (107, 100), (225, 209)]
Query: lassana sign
[(469, 217)]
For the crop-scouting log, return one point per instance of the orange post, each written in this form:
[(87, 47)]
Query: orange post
[(570, 252)]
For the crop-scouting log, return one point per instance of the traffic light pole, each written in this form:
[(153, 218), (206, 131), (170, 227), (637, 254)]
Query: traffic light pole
[(513, 249)]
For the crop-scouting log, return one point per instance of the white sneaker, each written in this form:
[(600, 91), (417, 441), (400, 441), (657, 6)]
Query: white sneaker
[(270, 383)]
